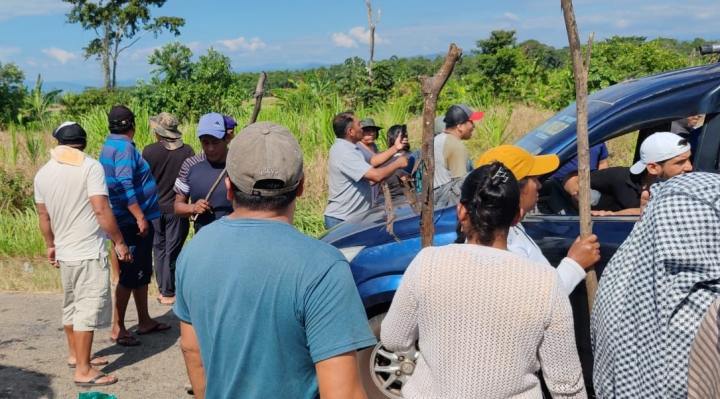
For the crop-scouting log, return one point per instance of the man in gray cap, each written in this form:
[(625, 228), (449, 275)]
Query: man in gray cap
[(165, 158), (273, 290)]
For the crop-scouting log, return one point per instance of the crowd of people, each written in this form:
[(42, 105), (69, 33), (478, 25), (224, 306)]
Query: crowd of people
[(257, 299)]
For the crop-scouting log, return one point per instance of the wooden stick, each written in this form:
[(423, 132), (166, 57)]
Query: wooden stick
[(431, 87), (580, 72), (258, 94)]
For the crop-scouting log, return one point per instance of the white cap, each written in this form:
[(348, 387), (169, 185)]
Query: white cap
[(659, 147)]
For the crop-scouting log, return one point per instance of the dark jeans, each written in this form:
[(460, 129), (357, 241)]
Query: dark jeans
[(331, 222), (170, 234)]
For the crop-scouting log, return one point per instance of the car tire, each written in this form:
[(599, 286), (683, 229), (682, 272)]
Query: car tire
[(377, 356)]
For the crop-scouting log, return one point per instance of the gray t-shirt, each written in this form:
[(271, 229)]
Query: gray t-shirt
[(350, 193)]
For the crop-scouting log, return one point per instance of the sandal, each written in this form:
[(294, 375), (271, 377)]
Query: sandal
[(94, 382)]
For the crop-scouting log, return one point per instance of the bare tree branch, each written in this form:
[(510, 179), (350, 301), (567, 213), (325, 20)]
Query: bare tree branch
[(431, 87)]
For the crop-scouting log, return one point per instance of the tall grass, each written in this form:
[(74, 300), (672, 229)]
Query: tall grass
[(20, 233)]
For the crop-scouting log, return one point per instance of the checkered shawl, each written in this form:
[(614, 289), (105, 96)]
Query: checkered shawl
[(655, 291)]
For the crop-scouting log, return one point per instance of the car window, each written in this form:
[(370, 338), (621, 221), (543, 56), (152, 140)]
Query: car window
[(554, 128)]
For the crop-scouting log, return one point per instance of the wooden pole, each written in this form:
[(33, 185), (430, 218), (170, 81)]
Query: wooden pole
[(431, 87), (258, 94), (580, 72)]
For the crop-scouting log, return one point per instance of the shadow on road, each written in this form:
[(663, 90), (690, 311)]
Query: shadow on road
[(151, 344), (21, 383)]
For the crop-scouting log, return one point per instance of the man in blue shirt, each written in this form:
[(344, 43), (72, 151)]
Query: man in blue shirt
[(266, 311), (134, 199)]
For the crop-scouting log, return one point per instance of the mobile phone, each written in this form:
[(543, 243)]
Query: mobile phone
[(404, 134)]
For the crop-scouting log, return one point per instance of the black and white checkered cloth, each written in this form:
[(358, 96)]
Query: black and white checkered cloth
[(655, 291)]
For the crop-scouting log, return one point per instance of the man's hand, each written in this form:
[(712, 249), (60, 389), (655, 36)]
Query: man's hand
[(585, 252), (602, 213), (143, 227), (51, 257), (123, 252), (400, 143), (644, 198), (201, 206)]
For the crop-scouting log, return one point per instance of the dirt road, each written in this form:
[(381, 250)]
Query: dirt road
[(33, 354)]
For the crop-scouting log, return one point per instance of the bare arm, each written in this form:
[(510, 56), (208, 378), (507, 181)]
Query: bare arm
[(106, 219), (183, 209), (379, 174), (603, 164), (381, 158), (46, 229), (193, 362), (628, 212), (338, 377)]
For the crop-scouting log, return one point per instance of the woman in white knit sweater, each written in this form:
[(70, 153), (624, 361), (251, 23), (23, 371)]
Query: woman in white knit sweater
[(486, 320)]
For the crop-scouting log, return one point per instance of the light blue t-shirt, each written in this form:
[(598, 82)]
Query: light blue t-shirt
[(267, 302)]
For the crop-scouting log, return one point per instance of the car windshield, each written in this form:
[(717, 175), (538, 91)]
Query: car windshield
[(558, 128)]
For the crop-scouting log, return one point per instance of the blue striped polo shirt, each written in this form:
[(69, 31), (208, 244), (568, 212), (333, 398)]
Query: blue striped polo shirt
[(129, 180)]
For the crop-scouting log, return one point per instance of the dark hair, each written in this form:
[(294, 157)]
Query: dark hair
[(341, 122), (258, 203), (76, 144), (392, 134), (491, 196), (121, 126)]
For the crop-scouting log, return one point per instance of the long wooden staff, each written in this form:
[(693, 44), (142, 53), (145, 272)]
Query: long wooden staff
[(259, 91), (580, 71)]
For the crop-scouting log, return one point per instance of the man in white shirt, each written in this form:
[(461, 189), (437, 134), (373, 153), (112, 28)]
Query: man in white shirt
[(74, 213)]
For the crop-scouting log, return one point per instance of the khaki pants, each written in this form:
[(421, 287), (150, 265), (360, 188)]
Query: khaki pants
[(87, 302)]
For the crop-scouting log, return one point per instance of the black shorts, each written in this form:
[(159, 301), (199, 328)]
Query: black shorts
[(136, 274)]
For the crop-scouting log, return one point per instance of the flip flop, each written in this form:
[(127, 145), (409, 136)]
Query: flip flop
[(94, 383), (126, 340), (97, 363), (165, 304), (158, 327)]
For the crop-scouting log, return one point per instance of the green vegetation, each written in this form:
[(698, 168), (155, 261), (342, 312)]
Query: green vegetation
[(518, 85)]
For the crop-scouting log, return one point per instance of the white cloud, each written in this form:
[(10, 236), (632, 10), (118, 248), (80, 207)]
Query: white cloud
[(18, 8), (59, 54), (356, 35), (343, 40), (6, 51), (363, 35), (511, 16), (243, 44), (143, 53)]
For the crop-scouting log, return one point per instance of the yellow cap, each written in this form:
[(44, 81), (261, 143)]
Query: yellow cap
[(519, 161)]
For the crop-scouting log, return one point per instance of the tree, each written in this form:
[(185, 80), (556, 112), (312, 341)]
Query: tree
[(115, 22), (172, 61), (499, 39), (12, 91), (36, 105), (371, 25)]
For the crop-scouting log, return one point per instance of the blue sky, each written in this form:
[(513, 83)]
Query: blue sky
[(34, 35)]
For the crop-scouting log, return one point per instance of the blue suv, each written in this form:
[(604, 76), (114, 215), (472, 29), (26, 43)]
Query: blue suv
[(646, 105)]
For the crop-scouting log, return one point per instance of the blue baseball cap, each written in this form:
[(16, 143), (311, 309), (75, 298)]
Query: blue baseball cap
[(229, 122), (212, 124)]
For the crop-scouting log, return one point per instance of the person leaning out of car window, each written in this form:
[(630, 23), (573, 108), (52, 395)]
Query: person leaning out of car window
[(526, 168), (663, 155), (476, 300), (396, 180)]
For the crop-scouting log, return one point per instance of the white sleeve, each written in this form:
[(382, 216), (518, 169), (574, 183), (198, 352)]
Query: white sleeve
[(96, 184), (571, 274)]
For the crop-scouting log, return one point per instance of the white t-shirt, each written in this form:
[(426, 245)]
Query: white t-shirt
[(519, 242), (65, 189)]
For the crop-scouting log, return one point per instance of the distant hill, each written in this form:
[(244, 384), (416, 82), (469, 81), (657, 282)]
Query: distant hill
[(66, 87)]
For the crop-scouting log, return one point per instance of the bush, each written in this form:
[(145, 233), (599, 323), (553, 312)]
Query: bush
[(16, 191)]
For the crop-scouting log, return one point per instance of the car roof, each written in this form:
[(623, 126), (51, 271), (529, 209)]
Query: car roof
[(629, 106)]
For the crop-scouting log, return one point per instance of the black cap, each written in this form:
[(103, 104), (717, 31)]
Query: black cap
[(70, 133), (461, 113), (120, 119)]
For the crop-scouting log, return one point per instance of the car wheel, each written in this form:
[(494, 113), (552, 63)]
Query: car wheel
[(384, 372)]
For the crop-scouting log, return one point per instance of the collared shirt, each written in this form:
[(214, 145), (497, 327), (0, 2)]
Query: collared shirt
[(350, 192), (618, 183), (129, 180)]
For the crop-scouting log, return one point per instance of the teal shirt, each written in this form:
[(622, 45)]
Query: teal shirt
[(267, 302)]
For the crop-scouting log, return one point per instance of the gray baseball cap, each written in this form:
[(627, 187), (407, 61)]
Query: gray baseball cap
[(265, 151)]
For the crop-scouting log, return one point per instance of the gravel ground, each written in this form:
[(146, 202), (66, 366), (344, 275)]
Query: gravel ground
[(33, 354)]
